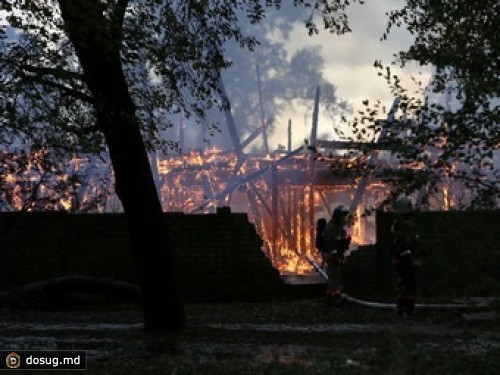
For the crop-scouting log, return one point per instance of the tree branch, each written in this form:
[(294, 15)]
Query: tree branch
[(65, 89), (55, 72)]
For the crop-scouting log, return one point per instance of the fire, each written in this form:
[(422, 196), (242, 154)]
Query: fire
[(357, 229), (282, 195), (282, 199)]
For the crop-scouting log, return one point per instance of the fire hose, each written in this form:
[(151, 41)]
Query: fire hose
[(391, 306)]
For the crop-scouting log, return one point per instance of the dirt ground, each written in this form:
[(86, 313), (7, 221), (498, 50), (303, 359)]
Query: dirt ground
[(292, 337)]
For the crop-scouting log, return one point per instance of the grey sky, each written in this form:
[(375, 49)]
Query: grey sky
[(349, 60), (349, 63)]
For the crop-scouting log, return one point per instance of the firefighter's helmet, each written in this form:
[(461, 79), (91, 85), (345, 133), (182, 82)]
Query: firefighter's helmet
[(340, 211), (403, 205)]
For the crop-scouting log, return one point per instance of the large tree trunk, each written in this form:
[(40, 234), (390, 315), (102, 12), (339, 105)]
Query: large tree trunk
[(97, 42)]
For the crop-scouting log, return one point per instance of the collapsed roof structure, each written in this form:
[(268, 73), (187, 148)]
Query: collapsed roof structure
[(283, 192)]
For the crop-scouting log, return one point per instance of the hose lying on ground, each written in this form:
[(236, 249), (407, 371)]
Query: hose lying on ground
[(423, 306), (484, 303)]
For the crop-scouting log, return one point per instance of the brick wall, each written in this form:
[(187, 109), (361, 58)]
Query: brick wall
[(218, 255), (462, 252), (360, 272)]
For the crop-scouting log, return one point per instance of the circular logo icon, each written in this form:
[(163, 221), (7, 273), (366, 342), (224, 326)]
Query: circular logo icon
[(13, 360)]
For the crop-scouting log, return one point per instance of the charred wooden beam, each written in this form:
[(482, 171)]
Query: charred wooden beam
[(326, 205), (233, 132), (252, 136), (289, 148), (295, 218), (275, 205), (207, 186), (262, 115)]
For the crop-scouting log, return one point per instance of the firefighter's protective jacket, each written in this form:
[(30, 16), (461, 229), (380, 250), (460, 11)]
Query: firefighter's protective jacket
[(336, 239), (404, 239)]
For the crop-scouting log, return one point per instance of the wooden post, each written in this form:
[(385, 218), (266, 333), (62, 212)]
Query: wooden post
[(295, 219), (303, 220), (181, 134), (289, 135), (275, 206), (312, 175), (314, 128), (290, 215), (311, 232)]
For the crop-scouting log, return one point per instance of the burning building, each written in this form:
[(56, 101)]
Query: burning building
[(283, 192)]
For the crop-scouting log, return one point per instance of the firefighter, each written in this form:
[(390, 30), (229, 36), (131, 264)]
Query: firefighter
[(404, 256), (336, 242)]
